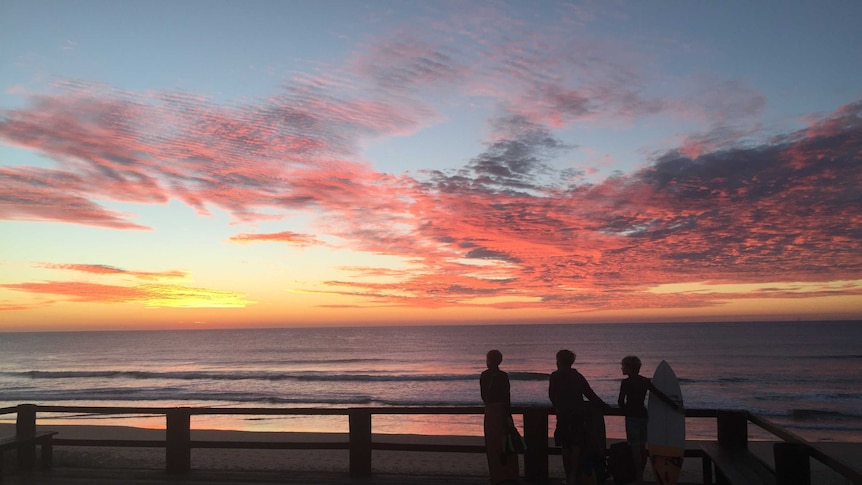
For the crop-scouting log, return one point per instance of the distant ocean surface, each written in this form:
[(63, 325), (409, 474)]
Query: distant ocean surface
[(805, 376)]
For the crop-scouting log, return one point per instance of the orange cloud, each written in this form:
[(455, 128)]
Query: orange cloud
[(292, 238), (11, 307), (151, 295)]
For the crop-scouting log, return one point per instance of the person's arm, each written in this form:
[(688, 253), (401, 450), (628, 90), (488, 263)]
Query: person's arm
[(590, 394), (507, 388), (670, 402), (553, 389), (621, 401), (482, 388)]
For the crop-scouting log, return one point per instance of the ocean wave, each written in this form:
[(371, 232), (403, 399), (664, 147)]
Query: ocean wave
[(837, 357), (794, 380), (822, 415), (174, 395), (528, 376), (426, 402), (276, 361), (732, 380), (315, 377), (261, 375), (811, 396), (820, 426), (93, 394)]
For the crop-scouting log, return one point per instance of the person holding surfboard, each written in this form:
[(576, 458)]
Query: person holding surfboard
[(633, 391), (566, 389), (494, 389)]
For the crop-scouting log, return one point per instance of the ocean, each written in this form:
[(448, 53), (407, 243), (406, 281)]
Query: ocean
[(804, 376)]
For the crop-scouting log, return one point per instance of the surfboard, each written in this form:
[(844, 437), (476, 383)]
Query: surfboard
[(666, 427)]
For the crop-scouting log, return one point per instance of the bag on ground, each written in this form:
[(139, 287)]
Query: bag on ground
[(621, 464)]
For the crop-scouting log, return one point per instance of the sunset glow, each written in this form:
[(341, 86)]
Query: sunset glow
[(328, 163)]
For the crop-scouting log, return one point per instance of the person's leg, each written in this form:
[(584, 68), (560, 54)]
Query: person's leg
[(644, 455), (563, 439), (638, 445), (574, 463), (566, 454), (638, 452), (578, 435), (495, 440)]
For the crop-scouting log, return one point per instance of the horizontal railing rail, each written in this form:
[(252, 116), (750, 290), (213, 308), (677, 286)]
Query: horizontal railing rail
[(813, 450), (731, 428)]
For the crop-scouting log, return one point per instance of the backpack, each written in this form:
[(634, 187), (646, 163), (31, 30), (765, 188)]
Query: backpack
[(621, 464)]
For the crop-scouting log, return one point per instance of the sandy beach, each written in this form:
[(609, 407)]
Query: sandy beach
[(337, 461)]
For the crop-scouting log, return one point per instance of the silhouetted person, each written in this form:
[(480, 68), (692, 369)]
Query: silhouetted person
[(567, 388), (633, 390), (494, 386)]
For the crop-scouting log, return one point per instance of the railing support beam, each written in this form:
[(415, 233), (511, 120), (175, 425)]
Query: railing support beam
[(178, 451), (360, 442), (732, 429), (792, 463), (536, 437), (25, 426)]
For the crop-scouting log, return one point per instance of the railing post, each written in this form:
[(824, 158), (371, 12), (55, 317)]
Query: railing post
[(25, 426), (536, 437), (360, 442), (792, 464), (732, 429), (178, 452)]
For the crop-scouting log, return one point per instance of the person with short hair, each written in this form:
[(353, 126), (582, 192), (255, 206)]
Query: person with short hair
[(567, 389), (633, 390), (495, 391)]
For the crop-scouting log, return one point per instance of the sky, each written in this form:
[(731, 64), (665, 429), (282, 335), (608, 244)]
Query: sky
[(210, 164)]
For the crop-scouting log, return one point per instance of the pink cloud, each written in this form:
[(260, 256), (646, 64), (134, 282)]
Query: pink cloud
[(406, 63), (33, 194), (130, 148), (769, 213), (504, 224)]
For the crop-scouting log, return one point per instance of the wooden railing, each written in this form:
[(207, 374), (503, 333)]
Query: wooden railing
[(732, 428)]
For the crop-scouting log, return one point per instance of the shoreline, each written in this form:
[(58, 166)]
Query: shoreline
[(337, 461)]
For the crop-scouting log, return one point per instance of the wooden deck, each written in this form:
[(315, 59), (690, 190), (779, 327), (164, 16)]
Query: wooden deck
[(732, 433), (148, 477)]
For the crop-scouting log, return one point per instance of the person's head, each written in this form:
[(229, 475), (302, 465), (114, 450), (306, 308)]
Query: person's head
[(631, 365), (565, 358), (493, 358)]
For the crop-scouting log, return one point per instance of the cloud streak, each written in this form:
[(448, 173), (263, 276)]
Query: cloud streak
[(154, 293), (780, 211), (102, 269), (150, 295), (292, 238), (506, 229)]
